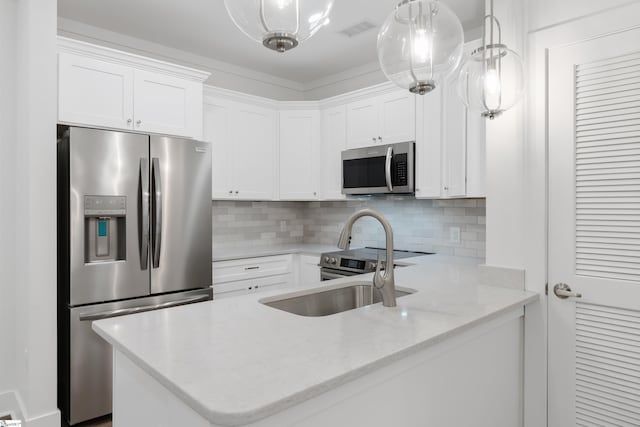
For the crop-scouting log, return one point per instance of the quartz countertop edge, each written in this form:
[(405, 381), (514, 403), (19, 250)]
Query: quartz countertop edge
[(448, 302), (240, 419)]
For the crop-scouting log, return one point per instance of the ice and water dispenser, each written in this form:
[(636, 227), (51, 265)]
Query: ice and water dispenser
[(105, 228)]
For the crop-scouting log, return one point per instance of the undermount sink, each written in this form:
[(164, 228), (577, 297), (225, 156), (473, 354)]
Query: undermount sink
[(324, 302)]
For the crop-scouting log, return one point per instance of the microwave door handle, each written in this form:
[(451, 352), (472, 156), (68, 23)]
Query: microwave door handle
[(157, 212), (387, 168), (143, 212)]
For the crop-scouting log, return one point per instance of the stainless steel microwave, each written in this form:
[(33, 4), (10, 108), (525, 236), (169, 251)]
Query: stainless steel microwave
[(379, 169)]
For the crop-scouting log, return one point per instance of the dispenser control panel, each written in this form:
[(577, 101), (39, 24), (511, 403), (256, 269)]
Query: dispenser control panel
[(105, 205)]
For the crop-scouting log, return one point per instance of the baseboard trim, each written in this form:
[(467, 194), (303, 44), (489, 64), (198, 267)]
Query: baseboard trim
[(11, 404), (51, 419)]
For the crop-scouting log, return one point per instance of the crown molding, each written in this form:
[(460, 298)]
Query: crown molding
[(213, 93), (102, 53)]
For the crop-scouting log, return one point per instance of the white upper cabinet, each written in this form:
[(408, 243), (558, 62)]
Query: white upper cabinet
[(300, 137), (217, 124), (334, 141), (383, 119), (243, 138), (362, 123), (397, 118), (107, 88), (429, 145), (450, 145), (166, 104), (454, 142), (95, 92), (255, 152)]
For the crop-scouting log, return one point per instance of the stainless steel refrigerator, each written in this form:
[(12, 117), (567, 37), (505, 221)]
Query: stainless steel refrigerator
[(134, 234)]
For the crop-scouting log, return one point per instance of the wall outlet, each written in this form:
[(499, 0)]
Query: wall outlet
[(283, 226), (454, 234)]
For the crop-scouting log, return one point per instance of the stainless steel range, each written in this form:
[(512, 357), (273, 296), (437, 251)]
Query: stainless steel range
[(338, 264)]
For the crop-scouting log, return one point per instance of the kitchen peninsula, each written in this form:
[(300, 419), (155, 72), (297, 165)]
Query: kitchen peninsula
[(238, 362)]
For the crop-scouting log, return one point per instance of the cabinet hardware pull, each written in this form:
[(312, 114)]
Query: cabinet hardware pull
[(252, 268), (139, 122)]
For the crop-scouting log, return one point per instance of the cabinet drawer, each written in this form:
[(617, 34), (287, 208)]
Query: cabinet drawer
[(249, 268), (244, 287)]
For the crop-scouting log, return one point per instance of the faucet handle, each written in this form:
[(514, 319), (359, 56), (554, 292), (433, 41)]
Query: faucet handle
[(378, 280)]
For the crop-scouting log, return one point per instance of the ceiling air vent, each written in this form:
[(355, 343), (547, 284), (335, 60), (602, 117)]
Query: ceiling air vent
[(359, 28)]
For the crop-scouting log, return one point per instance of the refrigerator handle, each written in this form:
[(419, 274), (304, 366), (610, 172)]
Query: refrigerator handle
[(125, 311), (156, 224), (143, 212)]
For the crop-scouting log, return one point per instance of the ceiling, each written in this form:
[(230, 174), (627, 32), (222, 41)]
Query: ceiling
[(203, 27)]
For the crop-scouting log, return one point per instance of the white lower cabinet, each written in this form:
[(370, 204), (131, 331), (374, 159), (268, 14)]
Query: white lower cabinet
[(308, 269), (248, 275)]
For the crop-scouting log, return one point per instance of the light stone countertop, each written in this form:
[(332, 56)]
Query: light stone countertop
[(236, 361), (227, 254)]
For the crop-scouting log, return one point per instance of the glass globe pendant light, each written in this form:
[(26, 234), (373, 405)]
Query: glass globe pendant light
[(279, 24), (491, 79), (419, 44)]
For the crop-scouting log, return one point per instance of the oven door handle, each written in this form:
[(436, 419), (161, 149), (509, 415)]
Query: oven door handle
[(387, 168)]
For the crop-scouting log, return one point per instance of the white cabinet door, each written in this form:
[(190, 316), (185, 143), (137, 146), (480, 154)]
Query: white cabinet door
[(429, 145), (476, 155), (93, 92), (362, 123), (308, 269), (397, 118), (454, 142), (254, 152), (167, 105), (299, 155), (217, 117), (334, 141)]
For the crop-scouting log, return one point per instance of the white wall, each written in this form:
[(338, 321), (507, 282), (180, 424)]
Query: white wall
[(35, 211), (7, 194)]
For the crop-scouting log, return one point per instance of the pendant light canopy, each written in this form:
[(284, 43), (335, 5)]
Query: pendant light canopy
[(419, 44), (491, 79), (279, 24)]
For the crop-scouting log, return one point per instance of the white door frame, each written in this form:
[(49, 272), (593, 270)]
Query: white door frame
[(537, 181)]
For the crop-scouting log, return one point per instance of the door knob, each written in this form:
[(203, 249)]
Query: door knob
[(563, 291)]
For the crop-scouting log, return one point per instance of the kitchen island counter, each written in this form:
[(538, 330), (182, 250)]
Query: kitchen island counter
[(237, 361)]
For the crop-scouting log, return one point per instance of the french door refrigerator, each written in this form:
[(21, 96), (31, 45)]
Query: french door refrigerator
[(134, 234)]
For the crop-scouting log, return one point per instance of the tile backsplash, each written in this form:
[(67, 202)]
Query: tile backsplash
[(241, 224), (420, 225)]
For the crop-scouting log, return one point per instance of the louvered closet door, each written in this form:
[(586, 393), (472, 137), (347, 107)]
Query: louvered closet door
[(594, 231)]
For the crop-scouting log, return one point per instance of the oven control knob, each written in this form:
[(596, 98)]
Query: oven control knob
[(326, 260), (372, 266), (333, 261)]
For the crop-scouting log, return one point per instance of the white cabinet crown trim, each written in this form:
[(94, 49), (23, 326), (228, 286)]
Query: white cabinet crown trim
[(102, 53), (212, 92)]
